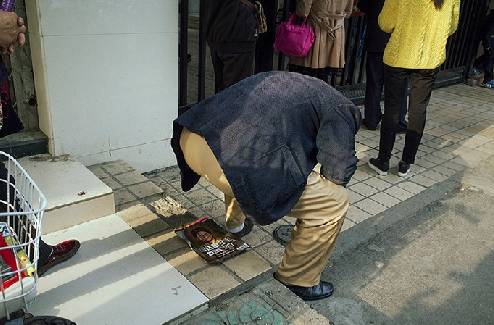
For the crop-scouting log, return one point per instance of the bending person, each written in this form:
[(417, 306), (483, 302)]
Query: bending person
[(258, 142)]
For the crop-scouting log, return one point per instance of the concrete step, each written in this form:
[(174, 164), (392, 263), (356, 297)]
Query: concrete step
[(75, 195), (116, 277)]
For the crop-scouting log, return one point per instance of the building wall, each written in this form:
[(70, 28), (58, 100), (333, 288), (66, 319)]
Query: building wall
[(106, 78)]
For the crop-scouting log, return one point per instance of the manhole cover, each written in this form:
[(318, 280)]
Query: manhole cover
[(283, 234)]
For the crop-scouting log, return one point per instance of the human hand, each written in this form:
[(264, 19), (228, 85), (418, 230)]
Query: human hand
[(12, 31)]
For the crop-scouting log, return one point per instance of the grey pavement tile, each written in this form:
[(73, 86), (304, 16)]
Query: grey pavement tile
[(391, 178), (347, 224), (123, 196), (385, 199), (130, 178), (370, 206), (269, 228), (215, 208), (216, 192), (272, 251), (112, 183), (200, 196), (364, 189), (434, 159), (170, 174), (257, 237), (98, 171), (411, 187), (357, 215), (399, 193), (247, 265), (146, 189), (425, 163), (117, 167), (434, 175), (214, 281), (354, 197), (377, 183), (362, 174), (453, 165), (422, 180), (441, 169)]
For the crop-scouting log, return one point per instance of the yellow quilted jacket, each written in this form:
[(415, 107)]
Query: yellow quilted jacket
[(419, 32)]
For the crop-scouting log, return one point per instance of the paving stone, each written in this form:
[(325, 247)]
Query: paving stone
[(131, 178), (385, 199), (434, 159), (127, 205), (391, 178), (411, 187), (354, 197), (399, 193), (357, 215), (123, 196), (290, 220), (361, 175), (364, 189), (441, 169), (145, 189), (170, 174), (269, 228), (272, 251), (216, 192), (200, 196), (117, 167), (143, 220), (370, 206), (247, 265), (347, 224), (186, 261), (425, 163), (112, 183), (434, 175), (453, 165), (257, 237), (214, 281), (98, 171), (377, 183), (422, 180), (166, 242)]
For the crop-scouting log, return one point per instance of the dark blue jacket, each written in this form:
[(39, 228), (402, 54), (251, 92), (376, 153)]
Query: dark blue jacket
[(268, 132), (375, 39)]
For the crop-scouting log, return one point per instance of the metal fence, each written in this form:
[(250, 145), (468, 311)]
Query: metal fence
[(461, 51)]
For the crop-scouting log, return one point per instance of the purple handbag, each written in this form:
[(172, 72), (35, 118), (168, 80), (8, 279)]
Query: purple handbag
[(294, 40), (7, 5)]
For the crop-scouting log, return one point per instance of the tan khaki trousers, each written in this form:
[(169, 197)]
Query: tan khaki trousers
[(320, 213)]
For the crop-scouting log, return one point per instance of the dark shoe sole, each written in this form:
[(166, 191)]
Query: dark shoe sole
[(42, 269), (377, 170), (329, 294)]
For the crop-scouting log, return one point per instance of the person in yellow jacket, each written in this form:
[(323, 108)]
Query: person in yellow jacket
[(419, 33)]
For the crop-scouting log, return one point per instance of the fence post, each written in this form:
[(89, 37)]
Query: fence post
[(183, 46)]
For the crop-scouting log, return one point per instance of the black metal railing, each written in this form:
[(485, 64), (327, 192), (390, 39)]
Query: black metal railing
[(461, 52)]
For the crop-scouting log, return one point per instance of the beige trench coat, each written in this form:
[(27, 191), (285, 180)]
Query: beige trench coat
[(328, 19)]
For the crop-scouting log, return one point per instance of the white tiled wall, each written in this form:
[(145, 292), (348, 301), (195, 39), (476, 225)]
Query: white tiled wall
[(107, 73)]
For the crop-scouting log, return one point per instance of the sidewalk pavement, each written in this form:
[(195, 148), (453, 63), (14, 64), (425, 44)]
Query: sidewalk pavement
[(459, 135)]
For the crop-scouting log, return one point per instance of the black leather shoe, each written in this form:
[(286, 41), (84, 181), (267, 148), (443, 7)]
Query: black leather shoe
[(248, 225), (320, 291)]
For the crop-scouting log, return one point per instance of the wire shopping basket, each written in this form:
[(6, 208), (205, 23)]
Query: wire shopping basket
[(21, 209)]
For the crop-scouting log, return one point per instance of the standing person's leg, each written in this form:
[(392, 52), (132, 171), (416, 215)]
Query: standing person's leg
[(201, 160), (320, 213), (265, 41), (395, 81), (373, 89), (402, 125), (218, 70), (489, 61), (236, 67), (420, 94)]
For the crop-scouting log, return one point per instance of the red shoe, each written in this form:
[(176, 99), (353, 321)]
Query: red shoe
[(61, 252)]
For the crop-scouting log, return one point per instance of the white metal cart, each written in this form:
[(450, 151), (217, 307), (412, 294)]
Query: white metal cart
[(21, 209)]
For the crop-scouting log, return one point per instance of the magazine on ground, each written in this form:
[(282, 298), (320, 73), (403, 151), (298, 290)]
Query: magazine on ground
[(210, 241)]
